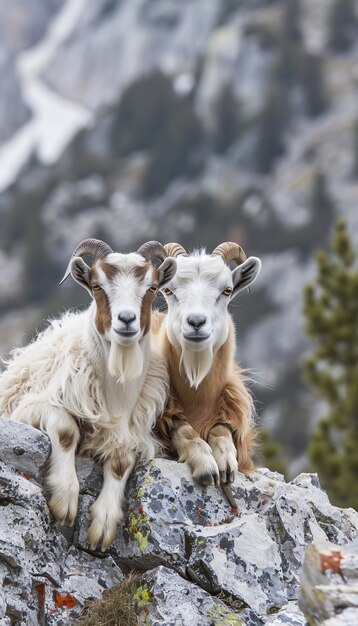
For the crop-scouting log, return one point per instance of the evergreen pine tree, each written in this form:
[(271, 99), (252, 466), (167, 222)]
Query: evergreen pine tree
[(331, 310), (270, 453)]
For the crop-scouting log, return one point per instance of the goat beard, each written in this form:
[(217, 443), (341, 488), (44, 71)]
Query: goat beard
[(125, 362), (196, 365)]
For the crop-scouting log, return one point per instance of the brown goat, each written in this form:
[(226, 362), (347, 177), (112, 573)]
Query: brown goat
[(208, 421)]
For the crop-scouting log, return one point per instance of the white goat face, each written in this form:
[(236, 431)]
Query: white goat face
[(198, 297), (123, 287)]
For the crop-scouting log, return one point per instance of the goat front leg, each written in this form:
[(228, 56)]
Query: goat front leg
[(61, 478), (194, 451), (231, 439), (107, 510), (224, 452)]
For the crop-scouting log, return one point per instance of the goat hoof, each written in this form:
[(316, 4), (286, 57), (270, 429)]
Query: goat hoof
[(227, 476), (93, 537), (208, 480), (64, 512), (103, 531)]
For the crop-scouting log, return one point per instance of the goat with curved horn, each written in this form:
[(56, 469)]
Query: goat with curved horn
[(230, 251), (94, 248), (92, 379), (155, 250), (209, 418), (152, 250), (175, 249)]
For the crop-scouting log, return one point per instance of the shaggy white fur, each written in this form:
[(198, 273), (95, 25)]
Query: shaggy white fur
[(83, 387)]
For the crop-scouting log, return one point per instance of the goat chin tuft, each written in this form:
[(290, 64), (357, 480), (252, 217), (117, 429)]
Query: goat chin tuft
[(125, 362), (196, 365)]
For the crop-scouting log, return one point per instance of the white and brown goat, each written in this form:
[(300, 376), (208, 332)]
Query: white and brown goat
[(92, 380), (208, 421)]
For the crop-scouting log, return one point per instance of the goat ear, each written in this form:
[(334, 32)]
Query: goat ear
[(80, 272), (166, 271), (245, 274)]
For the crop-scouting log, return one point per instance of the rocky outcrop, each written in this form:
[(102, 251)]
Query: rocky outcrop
[(171, 600), (252, 554), (43, 578), (232, 566), (329, 585)]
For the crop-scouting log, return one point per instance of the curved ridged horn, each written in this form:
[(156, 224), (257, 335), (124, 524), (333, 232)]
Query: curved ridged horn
[(94, 248), (175, 249), (152, 250), (230, 251)]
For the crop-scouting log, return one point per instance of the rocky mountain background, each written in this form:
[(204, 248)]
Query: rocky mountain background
[(199, 121)]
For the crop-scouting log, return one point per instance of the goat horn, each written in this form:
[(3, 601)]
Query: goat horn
[(94, 248), (175, 249), (230, 251), (152, 250)]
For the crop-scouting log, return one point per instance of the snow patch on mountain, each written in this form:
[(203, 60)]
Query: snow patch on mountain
[(54, 119)]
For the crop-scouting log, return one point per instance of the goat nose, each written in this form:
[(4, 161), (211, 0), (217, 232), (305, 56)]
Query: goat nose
[(196, 320), (126, 317)]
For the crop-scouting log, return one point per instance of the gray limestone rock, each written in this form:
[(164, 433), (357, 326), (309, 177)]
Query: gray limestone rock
[(24, 448), (42, 575), (289, 615), (197, 545), (164, 504), (329, 585), (253, 555), (241, 559), (166, 599)]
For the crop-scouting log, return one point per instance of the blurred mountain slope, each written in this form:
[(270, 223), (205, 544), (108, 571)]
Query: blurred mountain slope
[(22, 24)]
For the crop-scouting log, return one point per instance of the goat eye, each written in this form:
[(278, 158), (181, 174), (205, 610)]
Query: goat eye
[(96, 288), (168, 292), (153, 288), (227, 291)]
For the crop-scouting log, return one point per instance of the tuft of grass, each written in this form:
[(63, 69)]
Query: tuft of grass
[(115, 608)]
